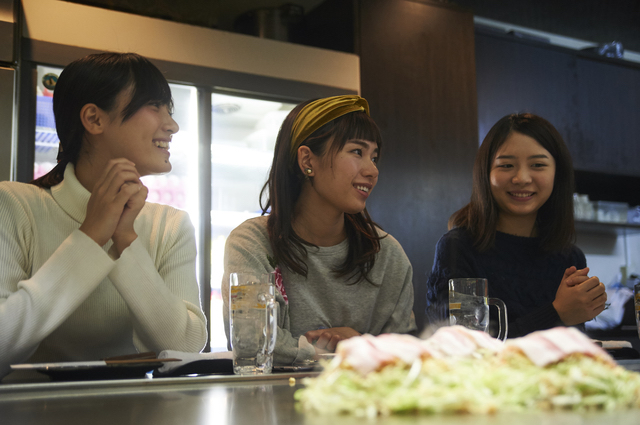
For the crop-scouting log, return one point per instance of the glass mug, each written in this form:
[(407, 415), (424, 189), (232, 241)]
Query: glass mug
[(469, 306), (253, 321)]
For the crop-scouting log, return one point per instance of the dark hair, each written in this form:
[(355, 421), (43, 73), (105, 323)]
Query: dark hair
[(285, 185), (99, 79), (554, 221)]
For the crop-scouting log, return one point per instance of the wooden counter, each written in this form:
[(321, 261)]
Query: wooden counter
[(218, 400)]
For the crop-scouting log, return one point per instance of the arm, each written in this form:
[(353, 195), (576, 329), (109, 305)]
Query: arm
[(34, 304), (402, 319), (246, 251), (397, 303), (163, 297), (547, 316)]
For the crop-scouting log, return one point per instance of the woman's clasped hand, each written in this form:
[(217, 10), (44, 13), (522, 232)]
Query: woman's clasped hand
[(115, 202), (579, 298)]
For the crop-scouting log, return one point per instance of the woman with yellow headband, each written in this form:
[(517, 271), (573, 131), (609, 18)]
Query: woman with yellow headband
[(338, 275)]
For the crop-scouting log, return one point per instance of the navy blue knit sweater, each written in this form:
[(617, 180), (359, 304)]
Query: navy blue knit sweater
[(518, 272)]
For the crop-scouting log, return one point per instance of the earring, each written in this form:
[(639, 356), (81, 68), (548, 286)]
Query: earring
[(308, 171)]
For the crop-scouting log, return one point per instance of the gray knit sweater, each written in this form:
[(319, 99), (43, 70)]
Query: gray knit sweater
[(321, 300)]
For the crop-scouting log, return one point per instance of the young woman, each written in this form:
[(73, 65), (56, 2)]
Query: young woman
[(88, 269), (341, 275), (517, 232)]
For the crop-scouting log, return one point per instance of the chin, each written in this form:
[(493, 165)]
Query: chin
[(164, 169), (353, 211)]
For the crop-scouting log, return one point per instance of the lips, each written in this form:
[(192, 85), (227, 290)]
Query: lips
[(364, 189), (521, 195)]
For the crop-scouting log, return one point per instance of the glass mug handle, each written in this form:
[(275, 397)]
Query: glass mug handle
[(503, 324)]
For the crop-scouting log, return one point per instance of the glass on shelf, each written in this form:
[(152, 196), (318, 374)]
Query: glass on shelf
[(583, 208)]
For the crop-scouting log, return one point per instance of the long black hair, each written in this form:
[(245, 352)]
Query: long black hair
[(285, 185), (554, 221), (99, 79)]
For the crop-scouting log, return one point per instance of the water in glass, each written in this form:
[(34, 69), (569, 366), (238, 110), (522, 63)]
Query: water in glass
[(469, 311)]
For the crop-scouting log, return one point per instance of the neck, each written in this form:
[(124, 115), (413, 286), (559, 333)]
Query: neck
[(517, 225), (88, 172), (317, 225)]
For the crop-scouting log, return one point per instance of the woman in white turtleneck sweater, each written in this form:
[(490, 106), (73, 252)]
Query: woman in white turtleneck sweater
[(88, 269)]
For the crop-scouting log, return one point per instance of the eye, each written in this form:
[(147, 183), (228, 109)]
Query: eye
[(505, 166), (375, 160), (357, 151), (539, 165)]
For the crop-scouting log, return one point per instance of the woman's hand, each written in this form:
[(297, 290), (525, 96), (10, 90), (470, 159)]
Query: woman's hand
[(325, 340), (116, 200), (124, 234), (579, 297)]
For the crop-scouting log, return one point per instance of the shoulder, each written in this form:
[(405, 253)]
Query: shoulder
[(21, 190), (455, 238), (455, 247), (254, 227), (253, 231), (388, 242), (249, 243), (17, 196), (390, 248)]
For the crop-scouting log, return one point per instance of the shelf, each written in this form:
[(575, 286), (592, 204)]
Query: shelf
[(607, 228)]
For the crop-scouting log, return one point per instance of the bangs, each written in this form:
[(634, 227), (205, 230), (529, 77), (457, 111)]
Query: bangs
[(148, 85), (360, 126), (351, 126)]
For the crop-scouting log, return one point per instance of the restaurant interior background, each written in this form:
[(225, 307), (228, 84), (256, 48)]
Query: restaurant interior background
[(437, 76)]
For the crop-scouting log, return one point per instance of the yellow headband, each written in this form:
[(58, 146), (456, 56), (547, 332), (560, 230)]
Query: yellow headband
[(321, 111)]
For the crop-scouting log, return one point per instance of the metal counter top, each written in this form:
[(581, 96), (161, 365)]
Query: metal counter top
[(222, 400)]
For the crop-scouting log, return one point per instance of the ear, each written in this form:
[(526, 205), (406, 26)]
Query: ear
[(93, 118), (306, 160)]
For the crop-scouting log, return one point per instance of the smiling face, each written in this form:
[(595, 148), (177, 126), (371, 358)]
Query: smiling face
[(522, 176), (143, 138), (343, 183)]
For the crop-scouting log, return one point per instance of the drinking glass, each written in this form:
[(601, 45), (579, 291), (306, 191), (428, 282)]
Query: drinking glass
[(253, 322), (469, 305)]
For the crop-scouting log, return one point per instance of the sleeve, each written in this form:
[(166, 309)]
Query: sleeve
[(34, 305), (546, 316), (246, 251), (402, 319), (163, 298), (543, 317), (453, 258)]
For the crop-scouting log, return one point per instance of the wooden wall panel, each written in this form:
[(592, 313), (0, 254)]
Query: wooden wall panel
[(418, 74)]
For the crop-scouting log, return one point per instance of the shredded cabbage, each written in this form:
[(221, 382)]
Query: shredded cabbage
[(471, 385)]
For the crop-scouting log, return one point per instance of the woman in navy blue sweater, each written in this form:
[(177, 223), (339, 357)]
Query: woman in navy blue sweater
[(518, 231)]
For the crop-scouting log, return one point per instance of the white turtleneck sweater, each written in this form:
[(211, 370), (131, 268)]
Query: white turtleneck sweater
[(62, 298)]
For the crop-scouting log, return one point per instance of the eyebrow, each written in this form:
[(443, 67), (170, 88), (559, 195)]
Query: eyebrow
[(364, 144), (540, 156)]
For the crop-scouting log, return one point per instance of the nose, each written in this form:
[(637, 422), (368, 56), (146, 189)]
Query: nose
[(522, 176), (170, 125), (370, 170)]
